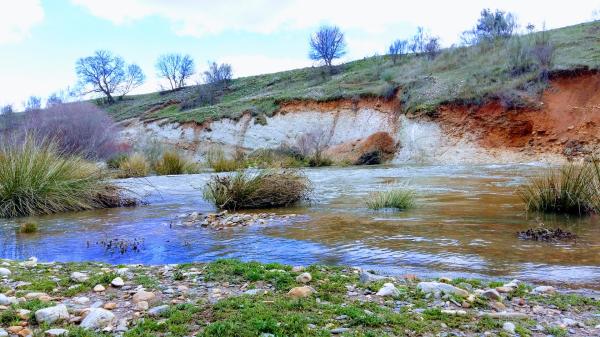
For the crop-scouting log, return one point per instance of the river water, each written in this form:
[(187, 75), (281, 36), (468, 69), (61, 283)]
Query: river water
[(465, 223)]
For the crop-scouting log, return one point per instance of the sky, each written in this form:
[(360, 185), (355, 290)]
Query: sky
[(40, 40)]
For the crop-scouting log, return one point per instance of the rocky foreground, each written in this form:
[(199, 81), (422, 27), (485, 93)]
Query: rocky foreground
[(232, 298)]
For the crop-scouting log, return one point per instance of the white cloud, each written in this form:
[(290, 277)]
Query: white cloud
[(17, 17), (444, 18)]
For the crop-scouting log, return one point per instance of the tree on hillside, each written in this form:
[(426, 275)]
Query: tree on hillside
[(218, 74), (432, 47), (418, 41), (33, 103), (107, 74), (327, 44), (397, 49), (54, 99), (175, 68), (490, 27), (134, 77)]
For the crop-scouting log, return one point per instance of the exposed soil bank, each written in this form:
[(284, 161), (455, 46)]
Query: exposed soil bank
[(565, 125)]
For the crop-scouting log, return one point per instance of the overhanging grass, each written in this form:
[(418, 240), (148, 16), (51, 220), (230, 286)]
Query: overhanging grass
[(35, 179), (263, 189), (571, 189), (399, 199)]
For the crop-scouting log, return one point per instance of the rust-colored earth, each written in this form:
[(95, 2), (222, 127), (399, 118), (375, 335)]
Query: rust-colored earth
[(567, 122)]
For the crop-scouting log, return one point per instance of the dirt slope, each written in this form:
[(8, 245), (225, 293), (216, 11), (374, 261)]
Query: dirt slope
[(567, 122)]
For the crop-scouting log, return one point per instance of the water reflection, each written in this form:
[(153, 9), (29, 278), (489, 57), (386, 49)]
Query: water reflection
[(465, 223)]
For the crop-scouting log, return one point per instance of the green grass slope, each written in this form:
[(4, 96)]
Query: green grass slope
[(460, 75)]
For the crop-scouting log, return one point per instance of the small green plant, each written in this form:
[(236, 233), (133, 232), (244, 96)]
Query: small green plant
[(134, 166), (172, 162), (28, 228), (399, 199), (36, 179), (571, 189), (264, 189)]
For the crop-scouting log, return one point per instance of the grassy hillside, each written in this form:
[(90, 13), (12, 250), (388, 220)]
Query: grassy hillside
[(463, 74)]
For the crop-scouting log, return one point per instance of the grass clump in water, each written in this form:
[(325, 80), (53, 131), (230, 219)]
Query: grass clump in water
[(172, 162), (36, 179), (265, 189), (399, 199), (134, 166), (28, 228), (571, 189)]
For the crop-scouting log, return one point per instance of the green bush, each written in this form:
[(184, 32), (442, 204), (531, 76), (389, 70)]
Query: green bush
[(173, 162), (571, 189), (263, 189), (36, 179), (397, 198)]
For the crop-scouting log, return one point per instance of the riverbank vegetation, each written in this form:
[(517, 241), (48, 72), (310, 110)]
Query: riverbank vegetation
[(262, 189), (234, 298), (37, 178), (571, 189), (399, 199)]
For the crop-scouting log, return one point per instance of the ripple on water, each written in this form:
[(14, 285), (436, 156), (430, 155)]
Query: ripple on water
[(465, 223)]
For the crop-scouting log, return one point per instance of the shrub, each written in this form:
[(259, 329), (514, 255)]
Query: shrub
[(134, 166), (172, 162), (36, 179), (571, 189), (257, 190), (215, 157), (77, 129), (397, 198), (519, 56)]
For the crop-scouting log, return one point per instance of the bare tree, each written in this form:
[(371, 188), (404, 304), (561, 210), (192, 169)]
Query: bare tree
[(33, 103), (327, 44), (102, 73), (175, 68), (134, 77), (313, 143), (418, 41), (218, 74), (397, 49)]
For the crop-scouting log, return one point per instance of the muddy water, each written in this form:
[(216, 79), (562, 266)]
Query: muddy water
[(464, 224)]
